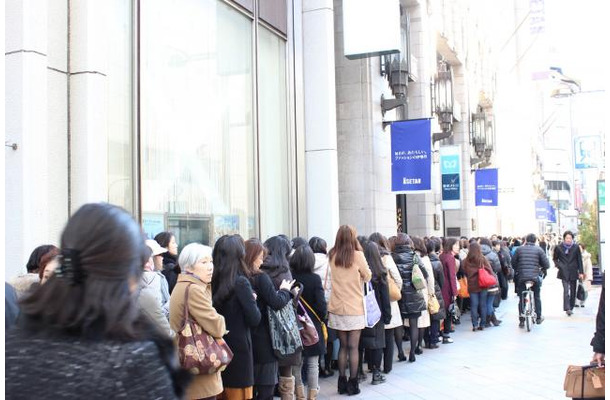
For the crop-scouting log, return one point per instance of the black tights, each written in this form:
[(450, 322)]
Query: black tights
[(413, 334), (348, 347), (398, 338), (422, 335), (264, 392)]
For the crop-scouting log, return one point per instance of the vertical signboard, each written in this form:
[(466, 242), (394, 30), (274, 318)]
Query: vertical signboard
[(486, 187), (451, 167), (542, 209), (587, 152), (411, 155)]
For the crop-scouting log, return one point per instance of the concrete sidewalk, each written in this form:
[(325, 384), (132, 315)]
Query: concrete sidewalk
[(503, 362)]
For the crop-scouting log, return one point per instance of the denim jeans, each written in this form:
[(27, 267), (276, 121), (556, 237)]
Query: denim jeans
[(490, 302), (311, 365), (478, 302)]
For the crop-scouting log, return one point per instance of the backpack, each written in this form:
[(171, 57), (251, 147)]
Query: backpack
[(284, 331)]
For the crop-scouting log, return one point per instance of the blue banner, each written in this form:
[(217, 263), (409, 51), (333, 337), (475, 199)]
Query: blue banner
[(411, 155), (486, 187), (542, 209), (451, 166), (551, 216)]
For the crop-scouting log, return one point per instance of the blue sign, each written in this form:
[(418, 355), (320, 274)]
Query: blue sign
[(551, 217), (486, 187), (542, 209), (451, 187), (450, 177), (411, 155), (587, 152)]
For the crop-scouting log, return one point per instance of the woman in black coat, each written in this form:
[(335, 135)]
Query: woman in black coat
[(301, 265), (433, 245), (171, 269), (372, 340), (276, 266), (412, 302), (568, 260), (265, 363), (233, 297)]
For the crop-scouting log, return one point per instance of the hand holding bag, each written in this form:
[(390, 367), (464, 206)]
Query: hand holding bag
[(372, 312), (199, 352), (307, 330), (486, 278), (585, 382)]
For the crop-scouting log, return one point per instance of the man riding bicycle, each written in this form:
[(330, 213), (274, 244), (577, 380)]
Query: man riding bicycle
[(530, 264)]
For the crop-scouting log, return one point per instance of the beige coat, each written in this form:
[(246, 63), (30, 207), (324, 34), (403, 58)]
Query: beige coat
[(346, 293), (390, 265), (201, 310)]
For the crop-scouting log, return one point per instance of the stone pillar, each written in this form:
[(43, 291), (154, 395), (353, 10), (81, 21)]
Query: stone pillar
[(88, 102), (320, 120), (27, 178)]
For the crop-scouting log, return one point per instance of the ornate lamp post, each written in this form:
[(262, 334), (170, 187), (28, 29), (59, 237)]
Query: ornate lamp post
[(443, 100)]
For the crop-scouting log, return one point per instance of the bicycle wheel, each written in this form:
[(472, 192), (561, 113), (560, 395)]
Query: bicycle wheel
[(529, 313)]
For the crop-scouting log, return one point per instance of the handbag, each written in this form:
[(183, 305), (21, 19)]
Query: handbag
[(486, 278), (307, 330), (585, 382), (417, 277), (393, 289), (284, 331), (581, 291), (463, 289), (199, 352), (433, 304), (322, 324), (372, 312)]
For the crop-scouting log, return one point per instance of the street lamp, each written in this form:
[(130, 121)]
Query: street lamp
[(443, 99)]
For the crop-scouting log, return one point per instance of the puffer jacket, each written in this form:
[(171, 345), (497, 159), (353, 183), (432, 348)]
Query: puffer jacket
[(494, 262), (529, 262), (412, 300), (439, 281)]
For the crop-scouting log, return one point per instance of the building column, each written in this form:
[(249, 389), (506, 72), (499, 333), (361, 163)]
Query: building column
[(88, 103), (320, 120), (27, 177)]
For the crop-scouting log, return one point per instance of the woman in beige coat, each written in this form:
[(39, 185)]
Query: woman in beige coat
[(196, 263)]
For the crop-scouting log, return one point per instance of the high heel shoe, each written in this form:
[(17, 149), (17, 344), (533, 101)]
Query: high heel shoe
[(401, 357)]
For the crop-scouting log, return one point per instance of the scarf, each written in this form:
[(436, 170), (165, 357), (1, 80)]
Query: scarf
[(566, 247)]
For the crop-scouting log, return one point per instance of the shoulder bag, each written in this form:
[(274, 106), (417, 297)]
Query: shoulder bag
[(199, 352), (372, 312), (393, 288), (284, 331), (307, 329), (486, 278), (417, 277), (322, 324), (433, 304)]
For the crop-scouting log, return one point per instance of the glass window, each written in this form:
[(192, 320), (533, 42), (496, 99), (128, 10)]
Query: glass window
[(197, 132), (273, 135), (120, 176)]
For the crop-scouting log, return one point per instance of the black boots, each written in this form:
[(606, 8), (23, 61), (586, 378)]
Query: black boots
[(342, 385), (352, 387), (495, 321)]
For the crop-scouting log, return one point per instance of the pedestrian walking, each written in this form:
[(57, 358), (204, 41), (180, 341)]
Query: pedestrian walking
[(197, 271), (473, 263), (493, 292), (265, 362), (349, 271), (568, 260), (233, 298), (81, 333)]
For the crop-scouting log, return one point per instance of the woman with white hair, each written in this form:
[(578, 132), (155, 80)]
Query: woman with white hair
[(196, 263)]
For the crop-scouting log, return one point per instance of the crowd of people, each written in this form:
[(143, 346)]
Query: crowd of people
[(107, 307)]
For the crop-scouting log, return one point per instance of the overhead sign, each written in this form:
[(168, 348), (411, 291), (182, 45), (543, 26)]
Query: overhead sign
[(587, 152), (451, 167), (486, 187), (542, 210), (411, 155), (371, 28)]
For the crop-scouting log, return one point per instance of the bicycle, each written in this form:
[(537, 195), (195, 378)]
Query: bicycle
[(528, 309)]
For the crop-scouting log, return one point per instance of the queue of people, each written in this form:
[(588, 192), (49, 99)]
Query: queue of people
[(126, 302)]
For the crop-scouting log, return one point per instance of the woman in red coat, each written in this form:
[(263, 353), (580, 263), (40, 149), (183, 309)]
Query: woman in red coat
[(449, 290)]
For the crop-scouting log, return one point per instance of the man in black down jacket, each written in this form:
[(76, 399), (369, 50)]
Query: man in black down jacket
[(530, 264), (568, 260)]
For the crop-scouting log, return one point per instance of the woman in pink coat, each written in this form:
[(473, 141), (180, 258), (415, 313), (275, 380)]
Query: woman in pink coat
[(449, 290)]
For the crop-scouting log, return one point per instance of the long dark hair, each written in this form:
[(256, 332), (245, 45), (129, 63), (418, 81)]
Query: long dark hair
[(34, 262), (475, 257), (229, 264), (382, 243), (346, 245), (373, 258), (448, 245), (278, 249), (302, 260), (103, 249)]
